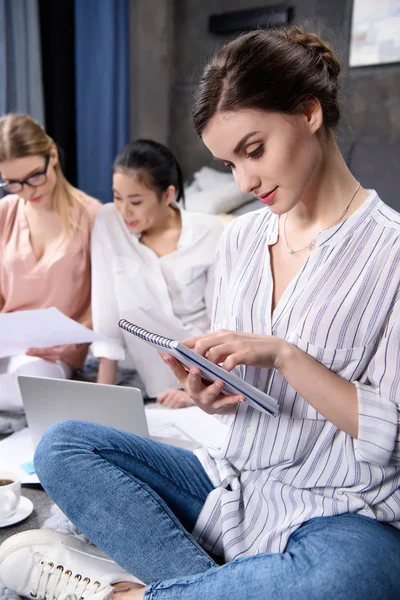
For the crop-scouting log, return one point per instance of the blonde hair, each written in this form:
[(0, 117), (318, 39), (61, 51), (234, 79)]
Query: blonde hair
[(21, 136)]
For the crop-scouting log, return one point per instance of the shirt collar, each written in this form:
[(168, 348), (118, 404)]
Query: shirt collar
[(188, 232), (334, 235), (187, 229)]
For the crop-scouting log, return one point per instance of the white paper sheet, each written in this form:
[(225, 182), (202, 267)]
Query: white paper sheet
[(155, 374), (17, 450), (41, 328)]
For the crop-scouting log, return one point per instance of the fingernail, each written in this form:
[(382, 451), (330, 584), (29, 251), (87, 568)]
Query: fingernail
[(219, 384), (242, 399), (194, 371), (165, 359)]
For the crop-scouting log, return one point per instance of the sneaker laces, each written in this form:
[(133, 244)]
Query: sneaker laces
[(56, 583)]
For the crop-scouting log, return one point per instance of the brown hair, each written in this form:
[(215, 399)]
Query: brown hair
[(273, 69), (21, 136)]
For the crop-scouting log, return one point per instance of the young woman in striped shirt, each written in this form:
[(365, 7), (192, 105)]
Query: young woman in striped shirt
[(307, 308)]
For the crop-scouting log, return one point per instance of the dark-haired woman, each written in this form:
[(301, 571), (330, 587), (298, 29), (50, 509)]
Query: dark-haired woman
[(152, 263), (305, 505)]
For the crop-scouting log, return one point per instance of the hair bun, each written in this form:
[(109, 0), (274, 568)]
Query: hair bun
[(314, 44), (270, 69)]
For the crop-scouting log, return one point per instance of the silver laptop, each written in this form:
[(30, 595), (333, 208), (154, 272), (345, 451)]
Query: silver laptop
[(48, 401)]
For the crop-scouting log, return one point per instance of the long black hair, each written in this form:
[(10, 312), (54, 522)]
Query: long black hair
[(154, 165)]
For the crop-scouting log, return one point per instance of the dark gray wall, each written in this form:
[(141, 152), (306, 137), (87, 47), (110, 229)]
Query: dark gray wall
[(194, 44), (171, 44), (151, 70)]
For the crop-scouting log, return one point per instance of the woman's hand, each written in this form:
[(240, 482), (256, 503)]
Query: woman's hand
[(175, 399), (208, 397), (231, 349), (54, 353)]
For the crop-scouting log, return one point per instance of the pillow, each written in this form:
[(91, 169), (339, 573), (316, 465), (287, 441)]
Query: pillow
[(217, 199), (207, 178)]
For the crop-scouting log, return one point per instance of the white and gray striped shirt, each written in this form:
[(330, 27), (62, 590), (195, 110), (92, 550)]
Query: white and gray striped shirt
[(343, 309)]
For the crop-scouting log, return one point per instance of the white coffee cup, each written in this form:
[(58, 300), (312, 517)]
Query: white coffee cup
[(10, 494)]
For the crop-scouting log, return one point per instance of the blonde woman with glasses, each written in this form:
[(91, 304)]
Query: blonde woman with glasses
[(45, 228)]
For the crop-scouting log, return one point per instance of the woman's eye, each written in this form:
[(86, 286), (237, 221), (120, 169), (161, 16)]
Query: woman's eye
[(229, 165), (256, 153), (135, 203), (116, 199)]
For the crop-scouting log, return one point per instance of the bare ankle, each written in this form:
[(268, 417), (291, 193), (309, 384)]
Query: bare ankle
[(126, 590)]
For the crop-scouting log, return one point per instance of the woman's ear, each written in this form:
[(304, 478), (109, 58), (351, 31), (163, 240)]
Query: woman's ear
[(312, 111), (54, 155), (170, 194)]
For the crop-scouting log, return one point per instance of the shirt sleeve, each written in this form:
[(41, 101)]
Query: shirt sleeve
[(217, 229), (209, 291), (378, 439), (105, 311), (8, 208), (221, 271), (1, 257)]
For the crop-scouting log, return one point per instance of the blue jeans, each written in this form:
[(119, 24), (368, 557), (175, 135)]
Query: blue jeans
[(138, 501)]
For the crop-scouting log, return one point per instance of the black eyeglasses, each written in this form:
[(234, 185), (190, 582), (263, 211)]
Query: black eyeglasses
[(35, 180)]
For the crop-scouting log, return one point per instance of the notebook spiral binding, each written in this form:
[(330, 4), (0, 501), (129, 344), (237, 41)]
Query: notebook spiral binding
[(145, 335)]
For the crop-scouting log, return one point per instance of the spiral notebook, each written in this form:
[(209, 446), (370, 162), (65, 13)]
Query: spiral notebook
[(211, 372)]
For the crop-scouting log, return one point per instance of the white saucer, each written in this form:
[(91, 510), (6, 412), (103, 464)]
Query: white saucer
[(25, 507)]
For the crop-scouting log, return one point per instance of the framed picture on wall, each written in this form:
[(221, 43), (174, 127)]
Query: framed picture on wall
[(375, 32)]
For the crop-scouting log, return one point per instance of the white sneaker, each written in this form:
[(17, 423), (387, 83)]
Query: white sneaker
[(46, 565)]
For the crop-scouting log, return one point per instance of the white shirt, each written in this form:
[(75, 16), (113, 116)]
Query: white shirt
[(343, 309), (171, 295)]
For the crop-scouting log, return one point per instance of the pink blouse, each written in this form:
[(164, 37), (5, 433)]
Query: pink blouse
[(60, 278)]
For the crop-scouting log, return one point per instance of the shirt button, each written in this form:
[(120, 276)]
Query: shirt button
[(249, 430)]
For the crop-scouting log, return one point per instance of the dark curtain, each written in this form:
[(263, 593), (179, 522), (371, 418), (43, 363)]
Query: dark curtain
[(58, 66), (102, 90), (20, 66)]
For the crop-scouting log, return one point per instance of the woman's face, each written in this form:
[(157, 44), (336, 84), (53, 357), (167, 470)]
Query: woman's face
[(139, 206), (20, 169), (272, 155)]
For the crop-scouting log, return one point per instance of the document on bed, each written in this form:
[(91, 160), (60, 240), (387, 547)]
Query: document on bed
[(41, 328)]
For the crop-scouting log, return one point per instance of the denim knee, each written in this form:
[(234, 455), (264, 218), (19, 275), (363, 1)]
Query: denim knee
[(52, 442)]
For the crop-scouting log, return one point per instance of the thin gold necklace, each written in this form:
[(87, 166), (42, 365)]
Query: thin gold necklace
[(311, 245)]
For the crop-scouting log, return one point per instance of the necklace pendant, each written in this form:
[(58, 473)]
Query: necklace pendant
[(290, 251), (311, 245)]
